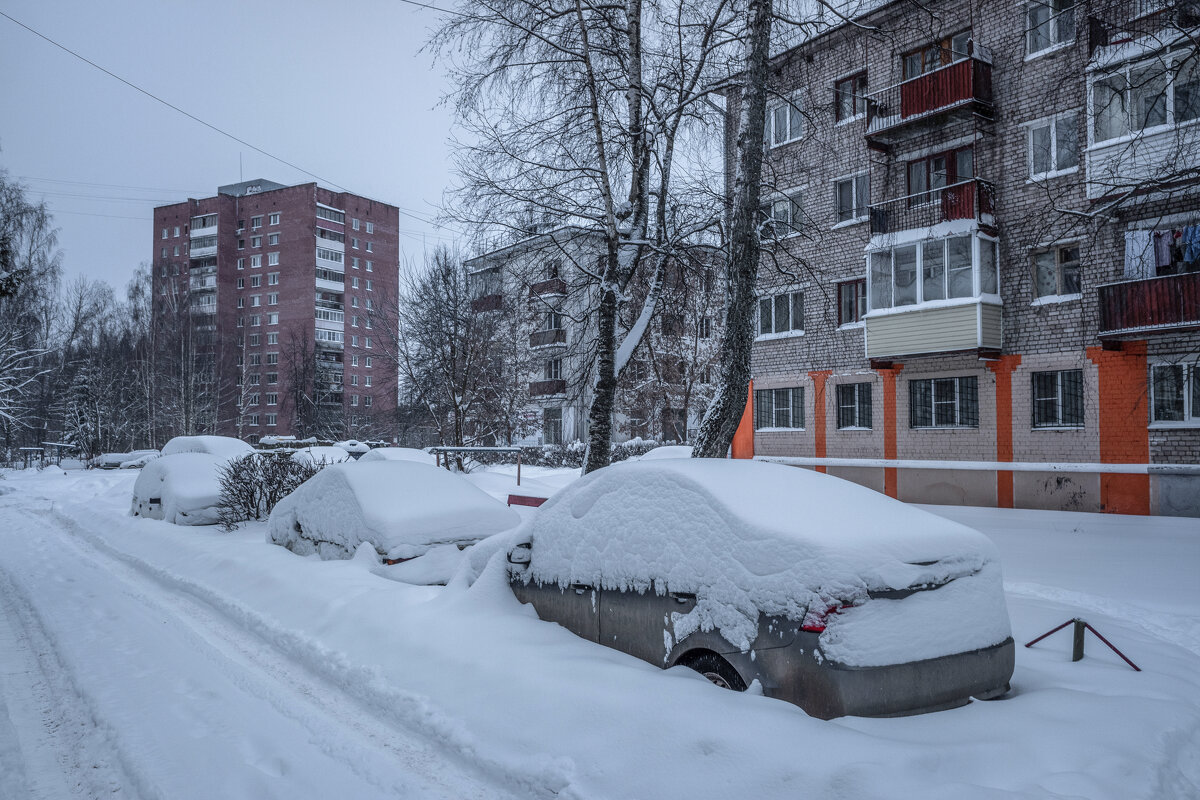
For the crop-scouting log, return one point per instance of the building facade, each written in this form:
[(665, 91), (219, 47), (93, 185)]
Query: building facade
[(547, 281), (981, 231), (263, 303)]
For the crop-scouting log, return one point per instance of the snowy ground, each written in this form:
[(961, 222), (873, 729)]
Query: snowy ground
[(140, 659)]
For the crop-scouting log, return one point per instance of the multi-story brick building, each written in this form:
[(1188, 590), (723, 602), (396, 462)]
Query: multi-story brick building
[(267, 292), (548, 281), (979, 246)]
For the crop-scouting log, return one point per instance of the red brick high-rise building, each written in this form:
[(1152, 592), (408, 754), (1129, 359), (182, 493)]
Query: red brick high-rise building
[(266, 301)]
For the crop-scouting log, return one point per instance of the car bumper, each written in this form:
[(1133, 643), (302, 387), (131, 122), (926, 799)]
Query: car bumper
[(832, 690)]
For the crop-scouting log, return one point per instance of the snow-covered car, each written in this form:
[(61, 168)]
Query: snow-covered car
[(225, 446), (183, 488), (828, 594), (667, 451), (119, 460), (398, 454), (321, 455), (354, 447), (401, 508)]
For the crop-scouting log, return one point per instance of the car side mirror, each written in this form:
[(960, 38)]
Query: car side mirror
[(520, 554)]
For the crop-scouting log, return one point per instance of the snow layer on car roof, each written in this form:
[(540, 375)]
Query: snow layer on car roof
[(744, 536), (400, 507), (225, 446)]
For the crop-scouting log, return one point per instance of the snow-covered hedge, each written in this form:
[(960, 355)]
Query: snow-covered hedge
[(253, 484), (566, 455)]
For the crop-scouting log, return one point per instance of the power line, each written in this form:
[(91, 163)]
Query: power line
[(108, 185), (155, 97)]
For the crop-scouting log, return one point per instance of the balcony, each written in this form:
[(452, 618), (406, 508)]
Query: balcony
[(553, 286), (490, 302), (970, 324), (544, 388), (199, 284), (1153, 305), (971, 200), (962, 88), (547, 338)]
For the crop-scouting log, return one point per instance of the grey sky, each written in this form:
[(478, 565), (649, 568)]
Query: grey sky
[(339, 89)]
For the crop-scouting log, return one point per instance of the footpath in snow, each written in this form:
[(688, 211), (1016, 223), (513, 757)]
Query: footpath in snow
[(139, 659)]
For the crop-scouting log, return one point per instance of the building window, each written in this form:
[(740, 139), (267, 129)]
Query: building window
[(241, 244), (273, 318), (241, 263), (946, 268), (370, 227), (256, 241), (164, 234), (255, 379), (929, 176), (552, 369), (854, 406), (852, 301), (254, 339), (1049, 23), (252, 419), (241, 283), (1056, 272), (705, 331), (354, 300), (354, 380), (354, 282), (253, 400), (272, 397), (331, 255), (672, 324), (944, 403), (937, 55), (354, 262), (354, 400), (370, 247), (176, 251), (849, 97), (354, 224), (1147, 95), (256, 222), (785, 122), (369, 287), (272, 259), (255, 262), (273, 239), (354, 322), (272, 377), (272, 358), (779, 408), (272, 338), (273, 299), (780, 217), (255, 281), (354, 242), (331, 215), (367, 401), (272, 279), (1054, 146), (552, 432), (1058, 399), (781, 313), (255, 320), (367, 363), (367, 380), (353, 341), (272, 419), (851, 197), (274, 220), (1175, 392), (370, 266)]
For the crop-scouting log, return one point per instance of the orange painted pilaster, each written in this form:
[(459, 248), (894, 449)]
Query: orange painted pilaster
[(1124, 432), (1003, 367), (890, 487), (743, 437), (818, 378)]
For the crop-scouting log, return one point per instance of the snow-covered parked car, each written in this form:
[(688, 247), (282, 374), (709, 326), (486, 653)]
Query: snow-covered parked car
[(398, 454), (401, 508), (321, 455), (828, 594), (183, 488), (224, 446), (120, 460)]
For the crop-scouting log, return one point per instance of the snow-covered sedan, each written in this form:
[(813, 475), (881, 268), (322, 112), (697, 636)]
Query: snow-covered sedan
[(828, 594), (183, 488), (401, 508)]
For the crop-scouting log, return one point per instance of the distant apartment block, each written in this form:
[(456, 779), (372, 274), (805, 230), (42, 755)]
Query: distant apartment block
[(264, 296), (990, 215)]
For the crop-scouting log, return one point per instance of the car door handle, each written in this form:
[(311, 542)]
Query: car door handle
[(683, 597), (580, 588)]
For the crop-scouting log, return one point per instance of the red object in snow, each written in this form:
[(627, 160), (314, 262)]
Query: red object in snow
[(525, 500)]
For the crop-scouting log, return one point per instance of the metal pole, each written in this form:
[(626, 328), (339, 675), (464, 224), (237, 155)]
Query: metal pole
[(518, 468), (1077, 646)]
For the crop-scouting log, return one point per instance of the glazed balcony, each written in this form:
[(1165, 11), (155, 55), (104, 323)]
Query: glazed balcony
[(972, 199), (547, 338), (489, 302), (551, 287), (1165, 304), (962, 88), (545, 388)]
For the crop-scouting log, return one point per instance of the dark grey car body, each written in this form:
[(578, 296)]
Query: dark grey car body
[(783, 658)]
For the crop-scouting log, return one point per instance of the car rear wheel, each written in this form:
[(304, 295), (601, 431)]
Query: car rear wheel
[(717, 670)]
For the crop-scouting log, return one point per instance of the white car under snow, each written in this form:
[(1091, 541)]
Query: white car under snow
[(183, 488), (401, 508)]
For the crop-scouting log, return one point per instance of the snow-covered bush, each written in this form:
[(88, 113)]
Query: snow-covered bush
[(253, 484)]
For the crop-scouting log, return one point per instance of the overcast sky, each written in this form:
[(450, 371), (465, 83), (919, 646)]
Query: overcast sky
[(341, 90)]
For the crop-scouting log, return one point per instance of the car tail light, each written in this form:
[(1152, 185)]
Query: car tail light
[(814, 620)]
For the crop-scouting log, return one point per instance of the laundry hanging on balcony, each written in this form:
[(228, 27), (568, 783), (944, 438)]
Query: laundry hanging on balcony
[(1191, 244), (1139, 255)]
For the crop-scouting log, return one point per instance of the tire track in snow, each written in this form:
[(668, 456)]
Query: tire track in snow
[(358, 698), (57, 748)]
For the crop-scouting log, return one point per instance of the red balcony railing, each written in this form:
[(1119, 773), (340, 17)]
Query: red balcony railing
[(490, 302), (1167, 303), (970, 199), (543, 388), (543, 338), (966, 83), (551, 286)]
